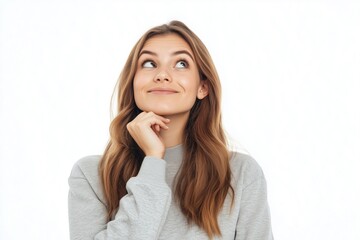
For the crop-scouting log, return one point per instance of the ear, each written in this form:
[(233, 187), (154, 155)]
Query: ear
[(203, 90)]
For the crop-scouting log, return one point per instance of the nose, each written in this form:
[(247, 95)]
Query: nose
[(162, 76)]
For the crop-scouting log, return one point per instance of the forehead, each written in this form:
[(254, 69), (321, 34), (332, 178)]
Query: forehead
[(168, 42)]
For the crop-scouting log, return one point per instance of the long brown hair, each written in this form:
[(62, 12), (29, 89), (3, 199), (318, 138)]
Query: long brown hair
[(203, 181)]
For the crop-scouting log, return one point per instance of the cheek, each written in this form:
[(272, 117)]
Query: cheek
[(138, 84), (190, 84), (137, 81)]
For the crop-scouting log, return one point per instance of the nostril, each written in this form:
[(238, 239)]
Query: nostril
[(162, 77)]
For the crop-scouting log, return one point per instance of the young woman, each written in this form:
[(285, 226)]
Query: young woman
[(167, 172)]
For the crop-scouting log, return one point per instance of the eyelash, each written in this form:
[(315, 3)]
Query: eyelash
[(180, 60), (147, 60), (183, 60)]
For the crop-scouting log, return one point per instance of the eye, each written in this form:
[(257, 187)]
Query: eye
[(182, 64), (148, 64)]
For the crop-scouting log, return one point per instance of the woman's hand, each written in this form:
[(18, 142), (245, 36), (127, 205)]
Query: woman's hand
[(145, 130)]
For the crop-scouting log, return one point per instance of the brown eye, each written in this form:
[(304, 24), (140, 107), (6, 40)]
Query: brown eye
[(148, 64), (181, 64)]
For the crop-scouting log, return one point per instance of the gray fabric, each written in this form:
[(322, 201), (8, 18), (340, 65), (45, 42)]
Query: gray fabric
[(149, 211)]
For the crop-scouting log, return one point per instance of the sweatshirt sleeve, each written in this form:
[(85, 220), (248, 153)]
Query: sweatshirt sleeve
[(141, 214), (254, 218)]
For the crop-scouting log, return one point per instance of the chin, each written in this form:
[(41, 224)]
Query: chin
[(161, 112), (164, 111)]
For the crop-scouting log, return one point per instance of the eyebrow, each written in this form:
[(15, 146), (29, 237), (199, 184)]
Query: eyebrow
[(173, 54)]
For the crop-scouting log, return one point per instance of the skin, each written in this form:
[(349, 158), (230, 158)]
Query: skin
[(166, 85)]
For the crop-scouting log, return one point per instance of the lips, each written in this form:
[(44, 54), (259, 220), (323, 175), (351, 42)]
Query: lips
[(160, 90)]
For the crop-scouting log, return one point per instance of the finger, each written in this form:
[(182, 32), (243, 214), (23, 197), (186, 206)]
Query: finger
[(160, 123), (149, 119), (152, 114), (154, 128)]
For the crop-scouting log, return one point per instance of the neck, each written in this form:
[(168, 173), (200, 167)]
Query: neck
[(174, 135)]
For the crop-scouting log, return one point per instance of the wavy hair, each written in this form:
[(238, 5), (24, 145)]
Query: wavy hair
[(204, 179)]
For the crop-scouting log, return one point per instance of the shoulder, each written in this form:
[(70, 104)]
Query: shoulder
[(86, 167), (244, 168), (85, 176)]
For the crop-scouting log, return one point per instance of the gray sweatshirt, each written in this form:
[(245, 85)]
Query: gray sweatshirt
[(149, 211)]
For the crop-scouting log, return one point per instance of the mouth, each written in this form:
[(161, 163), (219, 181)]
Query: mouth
[(162, 91)]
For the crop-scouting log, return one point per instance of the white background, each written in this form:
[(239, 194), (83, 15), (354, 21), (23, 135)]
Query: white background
[(290, 72)]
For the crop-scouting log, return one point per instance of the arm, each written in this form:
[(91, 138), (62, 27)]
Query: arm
[(141, 214), (254, 219)]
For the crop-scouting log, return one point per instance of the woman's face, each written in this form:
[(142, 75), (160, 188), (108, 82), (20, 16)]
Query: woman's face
[(167, 80)]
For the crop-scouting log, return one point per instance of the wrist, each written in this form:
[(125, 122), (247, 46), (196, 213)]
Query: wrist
[(154, 154)]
